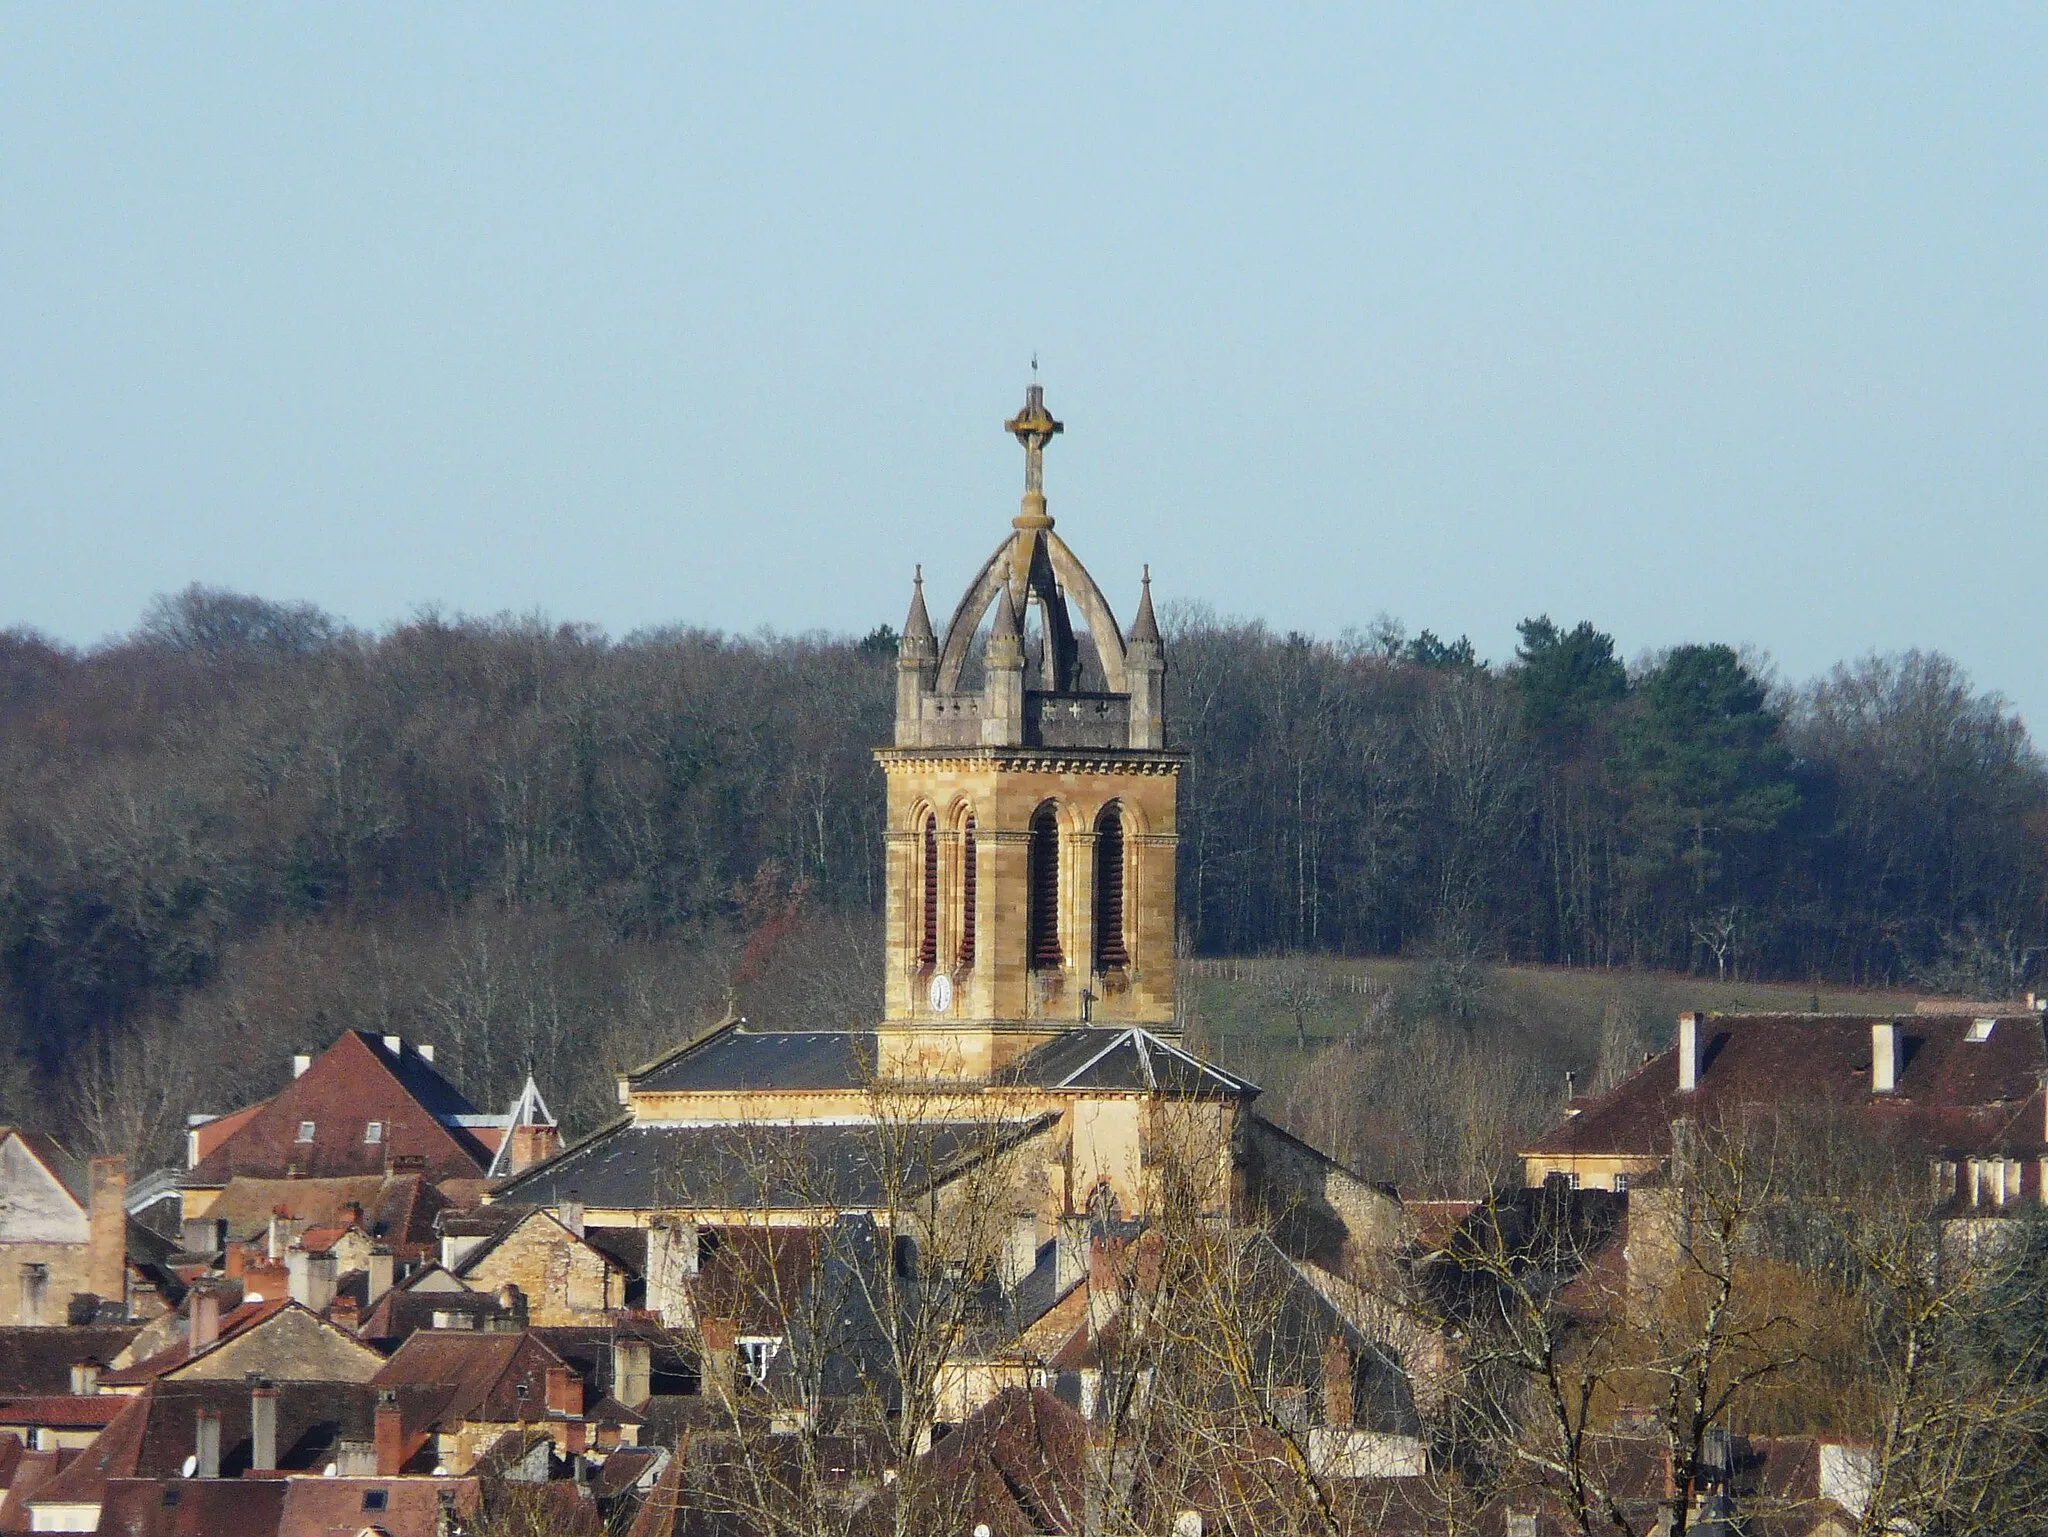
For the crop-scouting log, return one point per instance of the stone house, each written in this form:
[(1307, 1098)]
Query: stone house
[(63, 1231)]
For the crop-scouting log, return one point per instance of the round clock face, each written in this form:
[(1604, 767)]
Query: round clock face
[(941, 994)]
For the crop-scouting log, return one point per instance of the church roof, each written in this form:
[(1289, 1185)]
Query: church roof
[(734, 1057), (1130, 1058), (789, 1166)]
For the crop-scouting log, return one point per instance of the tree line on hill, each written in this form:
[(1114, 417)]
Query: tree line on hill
[(245, 826)]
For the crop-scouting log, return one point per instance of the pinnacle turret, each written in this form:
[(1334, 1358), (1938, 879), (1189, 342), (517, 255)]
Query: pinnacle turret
[(1144, 627)]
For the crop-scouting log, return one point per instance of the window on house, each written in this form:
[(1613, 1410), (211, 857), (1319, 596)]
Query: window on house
[(373, 1131), (1110, 953), (757, 1353), (1620, 1184), (1042, 907), (519, 1389), (376, 1499), (35, 1288), (305, 1131), (967, 884), (928, 941)]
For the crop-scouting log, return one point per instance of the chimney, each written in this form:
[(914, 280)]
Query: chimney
[(85, 1378), (390, 1433), (1884, 1056), (344, 1314), (202, 1318), (106, 1243), (671, 1267), (300, 1062), (202, 1235), (632, 1372), (310, 1279), (206, 1444), (262, 1427), (235, 1262), (1020, 1249), (426, 1053), (572, 1213), (1337, 1383), (565, 1393), (382, 1268), (1688, 1052), (720, 1338), (532, 1144)]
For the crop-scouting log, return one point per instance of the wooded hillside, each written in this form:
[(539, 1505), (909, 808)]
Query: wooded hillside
[(245, 827)]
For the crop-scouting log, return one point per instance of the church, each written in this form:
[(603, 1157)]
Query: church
[(1029, 1010)]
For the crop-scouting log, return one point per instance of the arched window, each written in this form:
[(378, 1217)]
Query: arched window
[(1044, 893), (1110, 954), (967, 883), (928, 941)]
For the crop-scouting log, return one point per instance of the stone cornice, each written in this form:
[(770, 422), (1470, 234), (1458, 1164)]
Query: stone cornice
[(1033, 760)]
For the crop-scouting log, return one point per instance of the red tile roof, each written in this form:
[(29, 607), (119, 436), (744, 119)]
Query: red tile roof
[(193, 1507), (1955, 1096), (62, 1411), (355, 1081), (334, 1507)]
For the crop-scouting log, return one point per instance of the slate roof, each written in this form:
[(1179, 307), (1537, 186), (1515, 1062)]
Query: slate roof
[(37, 1361), (356, 1080), (734, 1057), (1130, 1059), (656, 1165), (1955, 1095)]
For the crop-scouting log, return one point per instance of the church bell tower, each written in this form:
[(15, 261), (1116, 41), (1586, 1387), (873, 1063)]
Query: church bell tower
[(1031, 804)]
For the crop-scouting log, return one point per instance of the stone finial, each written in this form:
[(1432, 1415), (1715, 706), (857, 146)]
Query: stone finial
[(1144, 627), (1006, 636), (918, 627)]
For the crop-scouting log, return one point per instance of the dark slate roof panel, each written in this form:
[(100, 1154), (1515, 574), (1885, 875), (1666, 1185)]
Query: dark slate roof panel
[(1127, 1059), (734, 1057), (652, 1166)]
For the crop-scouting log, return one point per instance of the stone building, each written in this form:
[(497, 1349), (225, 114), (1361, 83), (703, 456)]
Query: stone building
[(1029, 1010)]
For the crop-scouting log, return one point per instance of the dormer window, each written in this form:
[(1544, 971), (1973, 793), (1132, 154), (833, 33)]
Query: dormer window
[(1980, 1029), (305, 1131), (373, 1132)]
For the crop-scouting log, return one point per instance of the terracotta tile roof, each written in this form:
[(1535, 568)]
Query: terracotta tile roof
[(460, 1374), (1955, 1094), (193, 1507), (211, 1134), (355, 1081), (28, 1472), (62, 1411), (335, 1507), (1017, 1465)]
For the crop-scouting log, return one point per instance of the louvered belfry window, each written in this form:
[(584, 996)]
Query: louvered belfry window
[(1044, 912), (928, 942), (1110, 954), (967, 883)]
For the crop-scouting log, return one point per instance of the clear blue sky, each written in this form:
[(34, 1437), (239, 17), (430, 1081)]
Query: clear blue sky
[(1706, 323)]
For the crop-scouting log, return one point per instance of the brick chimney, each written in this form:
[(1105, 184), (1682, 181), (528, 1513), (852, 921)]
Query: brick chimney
[(565, 1392), (532, 1145), (390, 1435), (202, 1319), (235, 1261), (206, 1444), (106, 1243), (1884, 1056), (262, 1427), (1688, 1052), (1337, 1383)]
